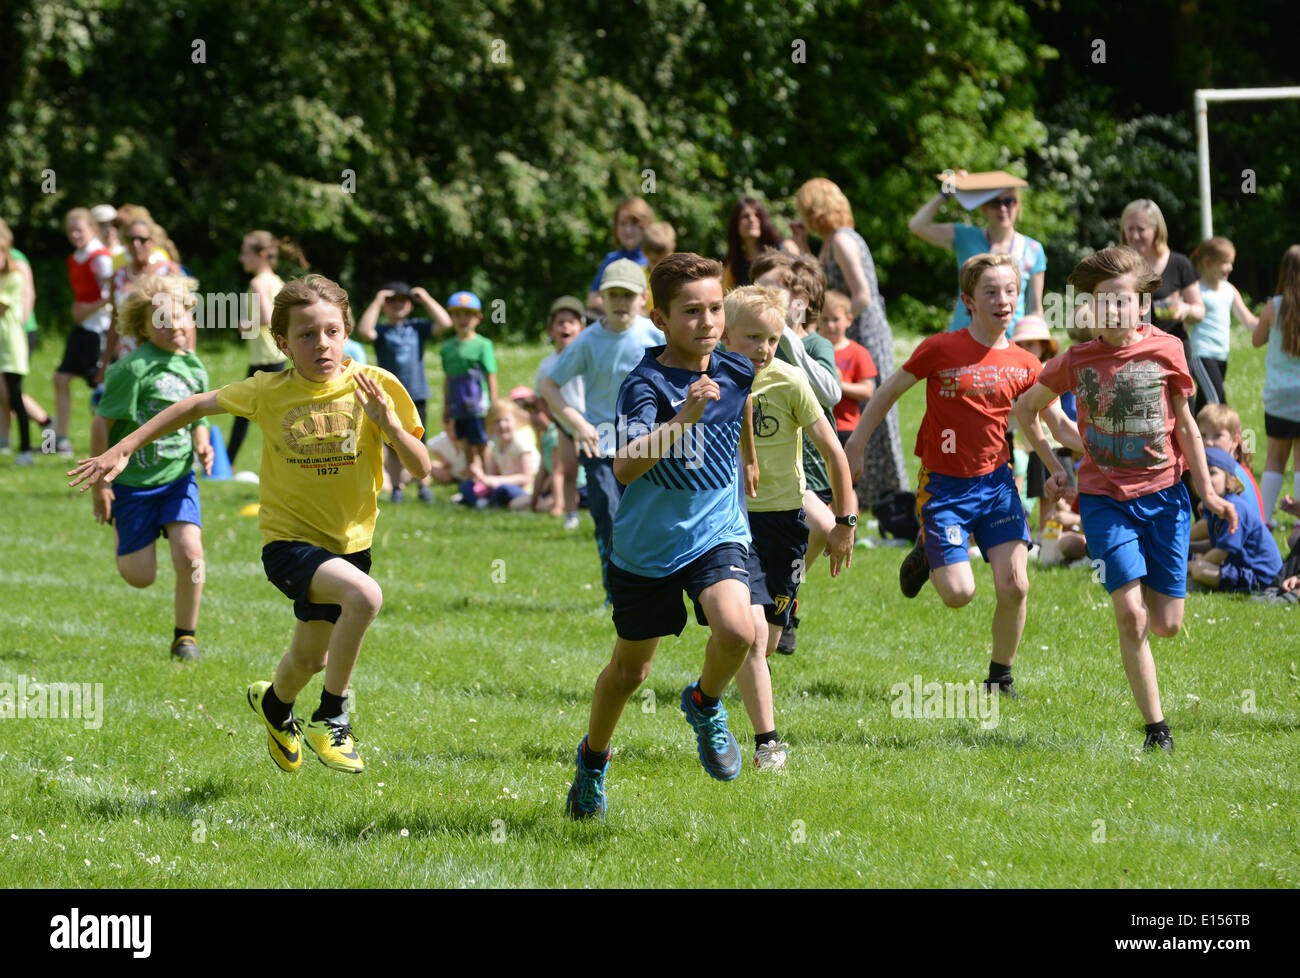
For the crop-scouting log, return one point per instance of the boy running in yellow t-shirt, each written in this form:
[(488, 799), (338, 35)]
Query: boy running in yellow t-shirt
[(322, 465), (784, 408)]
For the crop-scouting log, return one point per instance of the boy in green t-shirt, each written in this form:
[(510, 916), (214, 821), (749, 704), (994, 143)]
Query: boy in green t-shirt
[(785, 411), (156, 492), (471, 368)]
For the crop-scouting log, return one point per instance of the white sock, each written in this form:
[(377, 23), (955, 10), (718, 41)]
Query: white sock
[(1270, 485)]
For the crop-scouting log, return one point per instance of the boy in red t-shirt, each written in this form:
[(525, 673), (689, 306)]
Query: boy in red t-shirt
[(1132, 385), (966, 486), (852, 361)]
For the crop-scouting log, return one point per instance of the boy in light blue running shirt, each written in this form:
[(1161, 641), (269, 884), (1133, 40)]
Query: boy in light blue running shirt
[(684, 413), (603, 355)]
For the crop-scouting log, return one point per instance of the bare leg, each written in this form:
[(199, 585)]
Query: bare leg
[(1131, 621), (726, 605), (1011, 581), (755, 680), (335, 647), (62, 403), (955, 583), (186, 541), (628, 668), (140, 567)]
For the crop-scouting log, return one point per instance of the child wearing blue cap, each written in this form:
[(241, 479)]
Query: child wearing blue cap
[(1245, 560), (470, 364)]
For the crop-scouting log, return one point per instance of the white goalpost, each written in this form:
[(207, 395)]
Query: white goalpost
[(1202, 97)]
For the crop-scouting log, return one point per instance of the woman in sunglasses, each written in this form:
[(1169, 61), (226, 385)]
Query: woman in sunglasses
[(143, 259), (998, 236)]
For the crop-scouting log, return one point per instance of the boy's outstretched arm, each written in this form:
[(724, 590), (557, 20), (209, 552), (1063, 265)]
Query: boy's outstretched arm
[(411, 450), (637, 457), (885, 397), (844, 501), (106, 466), (1026, 409), (1189, 440)]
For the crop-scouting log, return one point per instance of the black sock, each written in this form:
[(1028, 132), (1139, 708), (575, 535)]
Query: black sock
[(331, 706), (1158, 727), (180, 632), (766, 738), (702, 701), (276, 711), (593, 760), (998, 673)]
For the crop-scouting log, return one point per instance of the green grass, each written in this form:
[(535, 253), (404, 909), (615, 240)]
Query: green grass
[(472, 694)]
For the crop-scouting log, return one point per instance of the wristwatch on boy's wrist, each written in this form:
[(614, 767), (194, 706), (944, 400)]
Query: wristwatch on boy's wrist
[(850, 520)]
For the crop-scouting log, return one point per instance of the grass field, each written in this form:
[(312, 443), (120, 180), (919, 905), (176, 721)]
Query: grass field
[(472, 692)]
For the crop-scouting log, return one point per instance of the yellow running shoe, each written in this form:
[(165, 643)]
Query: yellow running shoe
[(334, 744), (282, 742)]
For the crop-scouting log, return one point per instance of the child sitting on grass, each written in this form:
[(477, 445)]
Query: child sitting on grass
[(156, 492), (1247, 558), (323, 423), (510, 469)]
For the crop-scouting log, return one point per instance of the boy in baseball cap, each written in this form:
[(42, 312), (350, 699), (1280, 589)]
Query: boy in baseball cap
[(469, 362)]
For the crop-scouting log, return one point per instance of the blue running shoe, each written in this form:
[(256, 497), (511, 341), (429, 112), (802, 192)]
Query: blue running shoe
[(719, 752), (587, 793)]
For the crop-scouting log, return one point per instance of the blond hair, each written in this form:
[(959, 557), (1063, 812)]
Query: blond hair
[(1220, 417), (140, 307), (975, 266), (308, 291), (79, 215), (1215, 249), (822, 205), (503, 406), (1151, 209), (835, 299), (761, 302), (660, 239)]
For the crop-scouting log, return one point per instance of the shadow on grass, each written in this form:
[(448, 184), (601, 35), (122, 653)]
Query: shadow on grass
[(542, 824), (177, 804)]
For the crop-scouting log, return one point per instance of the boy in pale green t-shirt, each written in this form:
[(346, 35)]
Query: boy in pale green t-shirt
[(470, 364), (784, 407)]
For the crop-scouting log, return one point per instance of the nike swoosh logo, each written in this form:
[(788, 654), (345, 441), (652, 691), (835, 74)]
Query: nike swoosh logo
[(290, 756), (676, 403), (738, 570)]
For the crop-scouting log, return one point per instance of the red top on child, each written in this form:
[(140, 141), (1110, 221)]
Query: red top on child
[(1126, 414), (968, 396), (854, 365)]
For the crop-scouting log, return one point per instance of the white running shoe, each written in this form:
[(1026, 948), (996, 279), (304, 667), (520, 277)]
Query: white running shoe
[(770, 756)]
